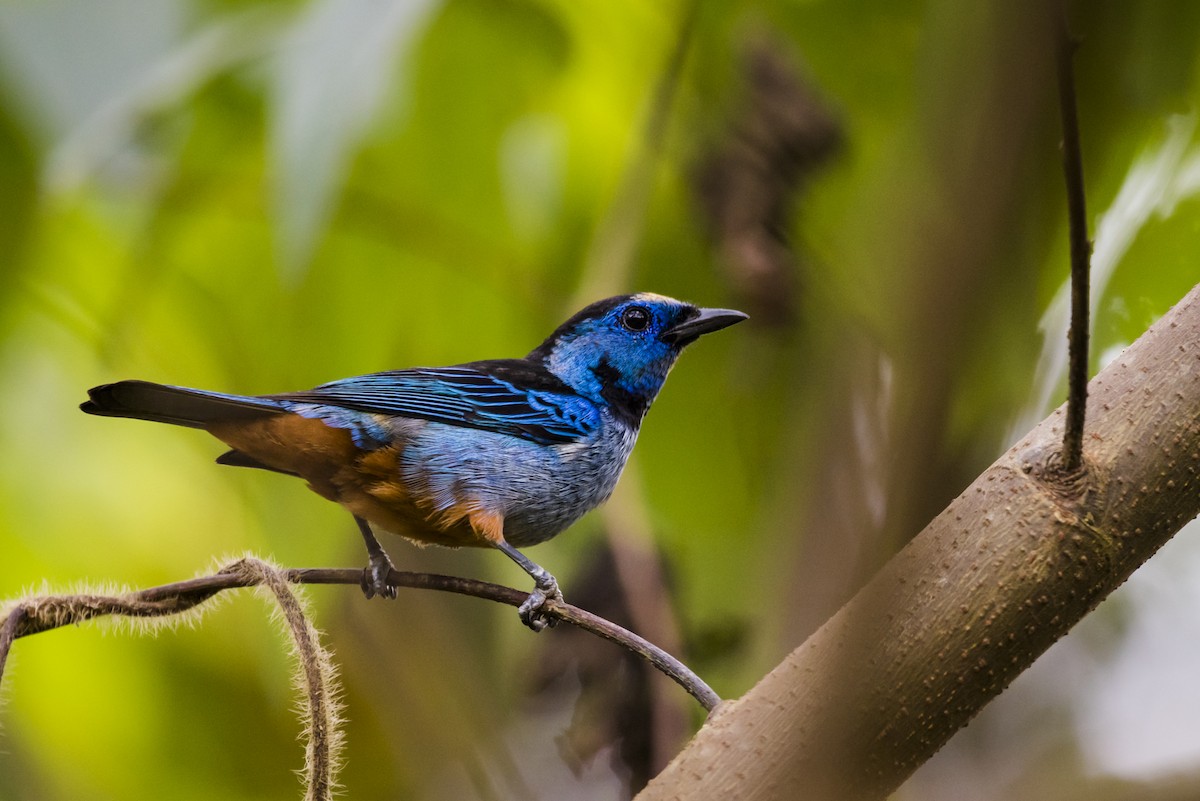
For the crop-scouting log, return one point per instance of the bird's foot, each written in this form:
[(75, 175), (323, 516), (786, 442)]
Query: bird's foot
[(375, 576), (545, 589)]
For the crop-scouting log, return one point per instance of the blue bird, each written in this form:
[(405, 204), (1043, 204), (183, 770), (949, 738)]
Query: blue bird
[(504, 453)]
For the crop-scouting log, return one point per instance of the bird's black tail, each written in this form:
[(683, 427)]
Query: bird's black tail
[(180, 406)]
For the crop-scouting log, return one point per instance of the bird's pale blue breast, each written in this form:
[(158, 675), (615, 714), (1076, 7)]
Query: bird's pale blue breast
[(539, 490)]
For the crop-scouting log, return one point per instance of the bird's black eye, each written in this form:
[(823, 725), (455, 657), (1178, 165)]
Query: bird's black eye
[(635, 318)]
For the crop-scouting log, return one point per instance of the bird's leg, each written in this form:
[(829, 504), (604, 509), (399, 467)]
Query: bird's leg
[(545, 588), (490, 528), (375, 574)]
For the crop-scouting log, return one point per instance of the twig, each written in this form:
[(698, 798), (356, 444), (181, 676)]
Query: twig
[(1081, 249), (50, 612)]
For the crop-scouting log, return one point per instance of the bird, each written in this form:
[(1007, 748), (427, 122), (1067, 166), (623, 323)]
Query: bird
[(501, 453)]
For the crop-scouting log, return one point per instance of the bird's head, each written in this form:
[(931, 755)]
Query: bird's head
[(619, 350)]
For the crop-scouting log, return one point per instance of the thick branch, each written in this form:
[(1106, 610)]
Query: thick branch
[(1008, 568), (50, 612)]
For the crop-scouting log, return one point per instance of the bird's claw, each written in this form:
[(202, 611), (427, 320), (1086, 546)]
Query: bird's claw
[(546, 589), (375, 577)]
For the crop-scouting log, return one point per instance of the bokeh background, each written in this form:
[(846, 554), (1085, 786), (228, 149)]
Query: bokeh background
[(262, 196)]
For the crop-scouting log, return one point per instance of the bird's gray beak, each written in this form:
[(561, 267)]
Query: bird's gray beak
[(707, 321)]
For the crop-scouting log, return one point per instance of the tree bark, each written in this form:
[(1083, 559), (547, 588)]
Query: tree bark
[(1009, 567)]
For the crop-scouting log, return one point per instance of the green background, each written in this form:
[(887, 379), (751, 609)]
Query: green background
[(259, 197)]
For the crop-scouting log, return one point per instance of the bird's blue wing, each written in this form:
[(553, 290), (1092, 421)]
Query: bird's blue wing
[(505, 396)]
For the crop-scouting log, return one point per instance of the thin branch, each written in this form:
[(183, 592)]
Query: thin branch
[(50, 612), (1081, 249)]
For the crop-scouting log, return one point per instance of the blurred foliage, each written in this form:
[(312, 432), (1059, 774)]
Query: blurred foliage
[(261, 196)]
